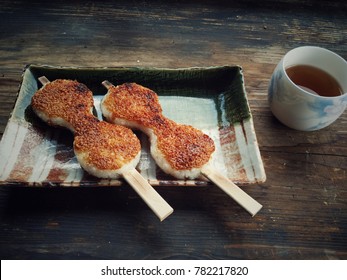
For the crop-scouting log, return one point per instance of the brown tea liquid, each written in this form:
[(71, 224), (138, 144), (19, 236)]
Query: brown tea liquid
[(314, 80)]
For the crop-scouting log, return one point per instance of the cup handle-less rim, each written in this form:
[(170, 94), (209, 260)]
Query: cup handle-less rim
[(336, 56)]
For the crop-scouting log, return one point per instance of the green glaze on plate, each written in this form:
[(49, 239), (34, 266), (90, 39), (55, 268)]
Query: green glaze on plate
[(212, 99)]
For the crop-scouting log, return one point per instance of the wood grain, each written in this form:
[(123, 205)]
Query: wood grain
[(304, 199)]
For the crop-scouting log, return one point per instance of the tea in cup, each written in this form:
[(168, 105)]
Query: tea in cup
[(308, 88)]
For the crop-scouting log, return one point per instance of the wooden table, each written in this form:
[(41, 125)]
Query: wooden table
[(305, 195)]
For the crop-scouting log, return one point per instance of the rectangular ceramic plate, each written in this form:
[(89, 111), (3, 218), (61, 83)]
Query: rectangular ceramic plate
[(212, 99)]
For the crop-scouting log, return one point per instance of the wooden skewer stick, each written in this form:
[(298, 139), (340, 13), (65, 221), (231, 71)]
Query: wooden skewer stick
[(43, 80), (107, 84), (154, 201), (148, 194), (242, 198)]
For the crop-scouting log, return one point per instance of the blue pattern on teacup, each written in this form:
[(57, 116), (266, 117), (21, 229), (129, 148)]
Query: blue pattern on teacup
[(276, 77), (326, 111)]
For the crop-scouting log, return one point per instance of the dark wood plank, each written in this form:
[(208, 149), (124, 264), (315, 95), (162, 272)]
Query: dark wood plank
[(304, 197)]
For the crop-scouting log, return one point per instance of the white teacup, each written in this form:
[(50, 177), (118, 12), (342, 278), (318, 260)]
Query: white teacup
[(299, 108)]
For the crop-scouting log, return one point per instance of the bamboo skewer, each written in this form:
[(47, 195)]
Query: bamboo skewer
[(107, 84), (241, 197), (43, 80), (154, 201), (148, 194)]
